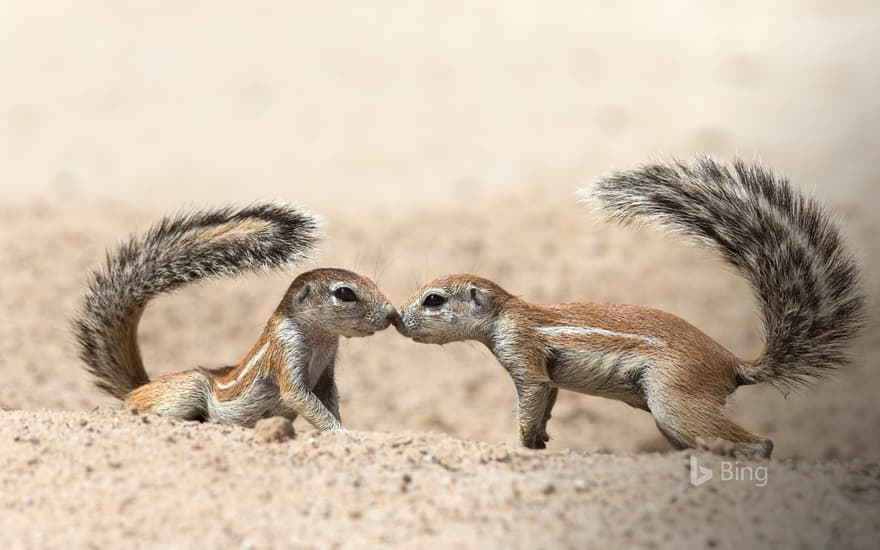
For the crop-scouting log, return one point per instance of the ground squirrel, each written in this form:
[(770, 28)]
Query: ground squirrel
[(289, 371), (782, 242)]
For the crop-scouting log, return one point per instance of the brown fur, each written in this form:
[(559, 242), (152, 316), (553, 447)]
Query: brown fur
[(647, 358), (231, 230), (806, 284), (274, 378), (178, 250)]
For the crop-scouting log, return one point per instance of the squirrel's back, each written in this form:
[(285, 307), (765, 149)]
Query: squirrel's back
[(782, 242), (176, 251)]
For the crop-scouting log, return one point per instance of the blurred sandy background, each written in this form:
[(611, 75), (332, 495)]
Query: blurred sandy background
[(433, 138)]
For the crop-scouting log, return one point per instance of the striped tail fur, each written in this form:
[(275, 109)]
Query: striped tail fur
[(178, 250), (781, 241)]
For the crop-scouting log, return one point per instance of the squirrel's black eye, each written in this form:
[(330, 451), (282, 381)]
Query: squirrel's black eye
[(433, 300), (345, 294)]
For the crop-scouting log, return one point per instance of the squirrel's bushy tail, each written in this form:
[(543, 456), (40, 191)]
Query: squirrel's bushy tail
[(805, 279), (178, 250)]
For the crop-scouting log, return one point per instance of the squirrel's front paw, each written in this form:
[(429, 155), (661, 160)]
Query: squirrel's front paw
[(532, 438), (535, 441)]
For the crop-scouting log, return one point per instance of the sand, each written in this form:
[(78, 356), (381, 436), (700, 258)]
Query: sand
[(432, 139), (106, 478)]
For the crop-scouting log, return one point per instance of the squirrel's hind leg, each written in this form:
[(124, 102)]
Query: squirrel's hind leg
[(181, 395), (685, 419)]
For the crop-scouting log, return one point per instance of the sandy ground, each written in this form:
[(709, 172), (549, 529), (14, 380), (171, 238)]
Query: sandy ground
[(155, 482), (432, 139)]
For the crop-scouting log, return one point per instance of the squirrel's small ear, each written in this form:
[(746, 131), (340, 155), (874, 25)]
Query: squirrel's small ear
[(479, 299), (303, 293)]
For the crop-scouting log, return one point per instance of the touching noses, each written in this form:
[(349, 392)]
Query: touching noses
[(391, 314)]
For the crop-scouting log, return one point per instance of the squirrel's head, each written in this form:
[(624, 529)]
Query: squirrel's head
[(452, 308), (338, 302)]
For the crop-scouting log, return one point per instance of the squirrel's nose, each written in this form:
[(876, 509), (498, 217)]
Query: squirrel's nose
[(391, 315)]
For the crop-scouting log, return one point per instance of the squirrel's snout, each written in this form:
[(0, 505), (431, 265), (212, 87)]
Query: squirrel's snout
[(392, 316), (395, 319)]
